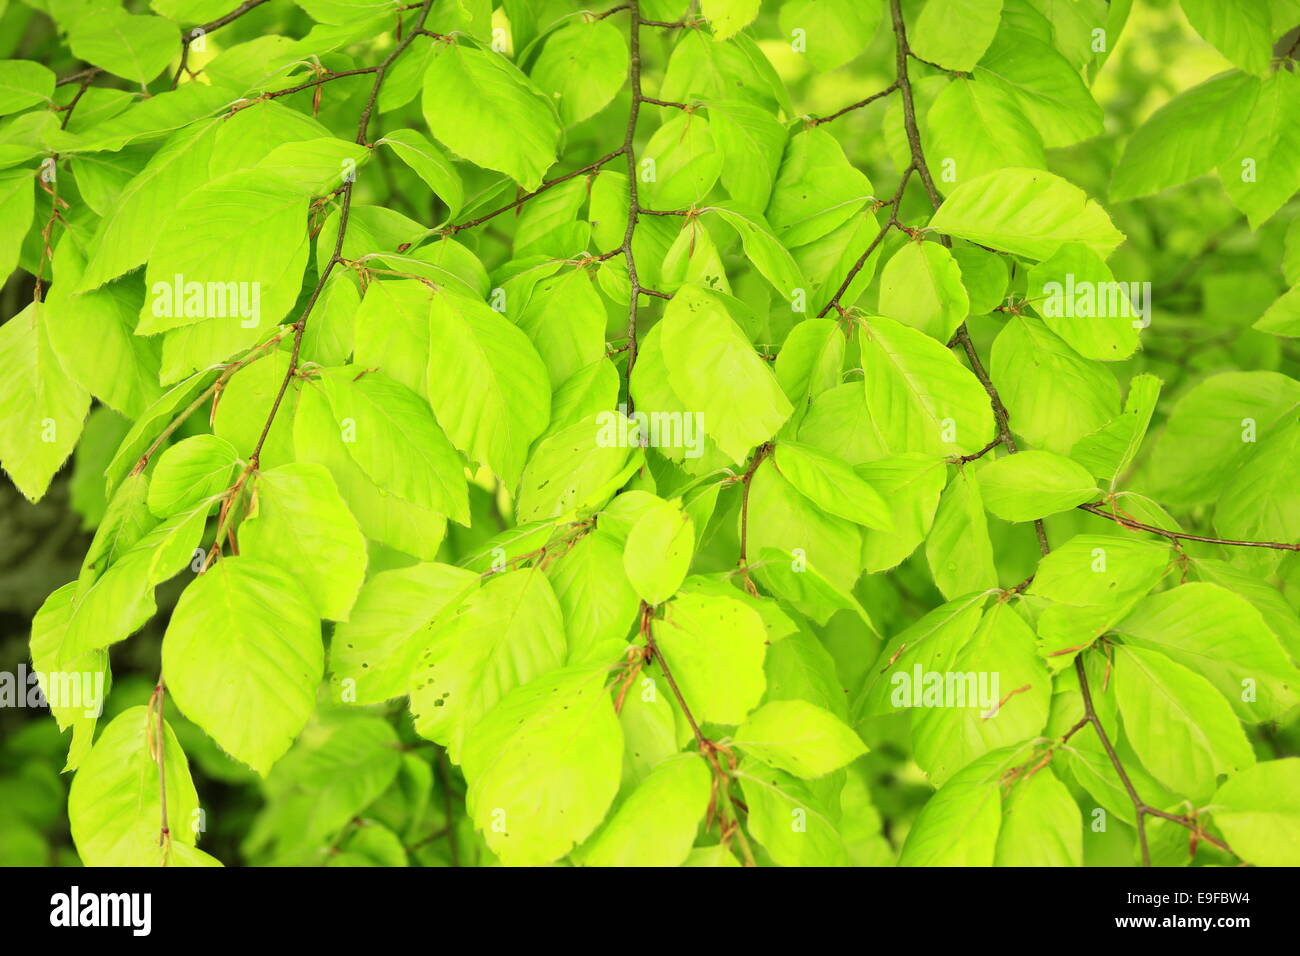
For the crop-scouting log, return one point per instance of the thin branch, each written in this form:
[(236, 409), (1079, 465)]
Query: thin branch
[(253, 355), (671, 104), (760, 453), (80, 76), (890, 223), (1000, 413), (1134, 525), (156, 735), (188, 36), (819, 120), (548, 184), (336, 257), (633, 210), (443, 767)]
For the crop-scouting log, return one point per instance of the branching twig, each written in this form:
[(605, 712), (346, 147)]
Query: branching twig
[(188, 36)]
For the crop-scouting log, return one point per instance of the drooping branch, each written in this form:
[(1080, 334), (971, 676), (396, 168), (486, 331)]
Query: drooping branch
[(962, 337), (633, 209), (1134, 525), (721, 804)]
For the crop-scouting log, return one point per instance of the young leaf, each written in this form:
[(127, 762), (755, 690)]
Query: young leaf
[(243, 656), (799, 737), (1034, 484)]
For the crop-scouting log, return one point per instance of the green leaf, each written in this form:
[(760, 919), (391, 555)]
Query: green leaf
[(1220, 636), (1283, 316), (921, 286), (114, 802), (955, 33), (729, 17), (702, 636), (1258, 815), (1041, 824), (799, 737), (190, 472), (1034, 484), (1043, 84), (1055, 397), (41, 408), (833, 31), (113, 604), (487, 385), (134, 47), (232, 257), (373, 653), (17, 194), (1240, 31), (977, 127), (544, 766), (832, 485), (481, 107), (816, 190), (810, 360), (769, 257), (959, 825), (656, 824), (1263, 171), (598, 600), (24, 83), (1261, 501), (430, 163), (1079, 299), (1181, 727), (127, 234), (912, 485), (751, 140), (781, 517), (1109, 451), (576, 470), (995, 691), (1027, 212), (336, 770), (319, 437), (243, 656), (73, 689), (502, 636), (298, 520), (921, 397), (658, 551), (1213, 428), (957, 547), (393, 438), (787, 818), (714, 370), (679, 164), (92, 334), (1096, 569), (582, 67), (1187, 137), (564, 317)]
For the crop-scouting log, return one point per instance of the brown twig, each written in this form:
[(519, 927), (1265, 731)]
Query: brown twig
[(1134, 525)]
